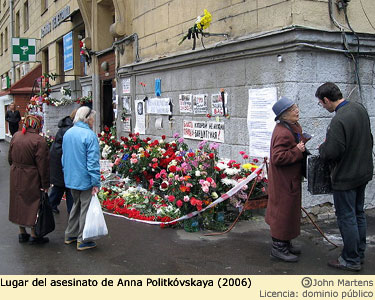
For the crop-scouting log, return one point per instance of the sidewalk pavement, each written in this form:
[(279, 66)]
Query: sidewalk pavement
[(133, 248)]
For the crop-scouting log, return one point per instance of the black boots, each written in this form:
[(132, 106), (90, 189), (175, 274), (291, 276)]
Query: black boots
[(282, 250)]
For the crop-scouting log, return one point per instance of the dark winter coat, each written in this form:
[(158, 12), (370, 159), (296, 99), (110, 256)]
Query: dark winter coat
[(13, 116), (348, 147), (284, 183), (57, 175), (29, 172)]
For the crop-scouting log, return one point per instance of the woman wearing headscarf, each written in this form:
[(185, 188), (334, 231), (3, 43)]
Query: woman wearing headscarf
[(29, 175), (285, 177)]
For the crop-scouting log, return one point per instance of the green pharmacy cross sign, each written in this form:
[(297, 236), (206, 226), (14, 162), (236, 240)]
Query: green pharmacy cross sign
[(23, 49)]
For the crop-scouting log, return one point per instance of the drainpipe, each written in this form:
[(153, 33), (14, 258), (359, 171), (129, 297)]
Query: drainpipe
[(11, 29)]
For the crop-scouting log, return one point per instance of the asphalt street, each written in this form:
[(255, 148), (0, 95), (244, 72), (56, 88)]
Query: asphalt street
[(133, 248)]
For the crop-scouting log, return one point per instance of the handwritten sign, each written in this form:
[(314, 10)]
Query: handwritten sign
[(202, 130), (217, 104), (186, 104), (159, 106), (200, 104)]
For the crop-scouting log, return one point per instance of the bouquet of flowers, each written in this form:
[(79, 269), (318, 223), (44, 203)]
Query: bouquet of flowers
[(48, 138), (201, 23)]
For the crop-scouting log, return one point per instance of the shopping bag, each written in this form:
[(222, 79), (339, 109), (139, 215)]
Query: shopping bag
[(318, 176), (45, 220), (95, 225)]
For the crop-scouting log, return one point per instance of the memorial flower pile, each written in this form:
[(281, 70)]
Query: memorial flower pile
[(177, 179), (137, 203)]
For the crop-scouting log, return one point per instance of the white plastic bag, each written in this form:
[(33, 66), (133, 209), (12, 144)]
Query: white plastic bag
[(95, 225)]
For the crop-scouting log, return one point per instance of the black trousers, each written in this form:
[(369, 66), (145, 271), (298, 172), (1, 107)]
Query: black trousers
[(13, 128)]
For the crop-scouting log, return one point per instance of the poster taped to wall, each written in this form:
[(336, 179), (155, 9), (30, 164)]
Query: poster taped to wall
[(140, 120), (126, 124), (186, 103), (200, 104), (260, 120), (217, 104), (202, 130), (126, 86), (126, 104), (159, 106)]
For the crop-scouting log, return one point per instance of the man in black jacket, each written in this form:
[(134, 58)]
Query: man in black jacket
[(348, 148), (13, 117), (56, 170)]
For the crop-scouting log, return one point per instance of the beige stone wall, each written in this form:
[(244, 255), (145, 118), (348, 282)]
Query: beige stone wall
[(37, 19), (161, 24)]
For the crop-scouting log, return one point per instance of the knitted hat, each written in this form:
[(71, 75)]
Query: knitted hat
[(282, 105)]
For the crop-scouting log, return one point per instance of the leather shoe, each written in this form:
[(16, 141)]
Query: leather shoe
[(340, 263), (23, 237), (38, 240), (55, 210)]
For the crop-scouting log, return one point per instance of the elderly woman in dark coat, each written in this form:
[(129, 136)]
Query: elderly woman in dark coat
[(285, 176), (29, 174)]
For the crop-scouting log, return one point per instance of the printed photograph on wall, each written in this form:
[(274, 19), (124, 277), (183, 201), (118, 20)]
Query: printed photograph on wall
[(126, 104), (140, 119), (186, 105), (200, 104)]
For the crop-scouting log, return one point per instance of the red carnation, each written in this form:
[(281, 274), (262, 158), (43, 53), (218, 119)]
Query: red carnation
[(163, 137), (172, 169)]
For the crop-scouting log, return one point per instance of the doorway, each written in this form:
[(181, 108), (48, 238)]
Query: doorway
[(107, 106)]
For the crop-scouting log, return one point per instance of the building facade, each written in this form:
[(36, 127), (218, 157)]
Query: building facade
[(289, 46), (131, 53), (56, 27)]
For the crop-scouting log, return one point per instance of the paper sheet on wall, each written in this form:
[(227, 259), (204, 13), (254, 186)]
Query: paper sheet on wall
[(186, 104), (217, 104), (126, 104), (126, 124), (159, 106), (260, 120), (140, 120), (126, 86), (202, 130), (200, 104)]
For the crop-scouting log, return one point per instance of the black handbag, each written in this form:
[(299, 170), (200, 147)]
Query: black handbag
[(45, 221), (318, 176)]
